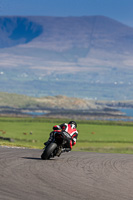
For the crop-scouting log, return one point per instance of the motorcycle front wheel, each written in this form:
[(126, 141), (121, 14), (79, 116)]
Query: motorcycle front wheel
[(48, 151)]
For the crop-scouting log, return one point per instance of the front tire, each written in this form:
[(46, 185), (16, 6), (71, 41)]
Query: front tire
[(47, 152)]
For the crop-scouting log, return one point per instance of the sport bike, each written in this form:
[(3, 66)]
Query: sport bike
[(55, 147)]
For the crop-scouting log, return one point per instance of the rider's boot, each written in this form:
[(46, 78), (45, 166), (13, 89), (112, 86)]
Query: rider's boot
[(66, 150)]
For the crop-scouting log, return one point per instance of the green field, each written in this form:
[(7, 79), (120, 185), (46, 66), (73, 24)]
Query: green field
[(94, 136)]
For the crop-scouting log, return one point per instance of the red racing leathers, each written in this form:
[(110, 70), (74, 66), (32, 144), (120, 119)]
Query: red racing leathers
[(69, 131)]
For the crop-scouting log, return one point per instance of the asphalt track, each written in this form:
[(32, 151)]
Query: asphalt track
[(74, 175)]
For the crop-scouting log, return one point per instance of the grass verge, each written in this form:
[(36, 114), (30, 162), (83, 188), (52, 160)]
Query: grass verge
[(94, 136)]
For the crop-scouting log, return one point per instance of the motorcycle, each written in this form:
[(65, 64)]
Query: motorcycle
[(55, 147)]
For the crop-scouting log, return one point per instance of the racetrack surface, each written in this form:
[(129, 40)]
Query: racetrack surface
[(74, 175)]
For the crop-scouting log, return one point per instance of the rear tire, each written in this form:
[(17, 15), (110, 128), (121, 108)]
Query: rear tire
[(47, 152)]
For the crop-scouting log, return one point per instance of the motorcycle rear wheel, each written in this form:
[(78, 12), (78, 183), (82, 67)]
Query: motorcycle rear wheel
[(48, 151)]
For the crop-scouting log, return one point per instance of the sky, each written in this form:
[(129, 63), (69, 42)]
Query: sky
[(120, 10)]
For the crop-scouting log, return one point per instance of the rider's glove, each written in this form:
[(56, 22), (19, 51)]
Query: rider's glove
[(57, 127)]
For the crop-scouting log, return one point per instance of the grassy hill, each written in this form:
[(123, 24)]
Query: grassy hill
[(55, 102), (14, 100), (61, 107)]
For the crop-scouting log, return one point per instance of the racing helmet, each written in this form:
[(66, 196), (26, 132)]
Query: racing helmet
[(73, 123)]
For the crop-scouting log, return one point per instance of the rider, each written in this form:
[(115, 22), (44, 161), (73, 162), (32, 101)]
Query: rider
[(69, 131)]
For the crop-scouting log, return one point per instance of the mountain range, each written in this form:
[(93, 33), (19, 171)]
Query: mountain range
[(87, 57)]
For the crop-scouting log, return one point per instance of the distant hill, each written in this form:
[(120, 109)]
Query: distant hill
[(56, 102), (88, 56), (16, 101), (61, 106)]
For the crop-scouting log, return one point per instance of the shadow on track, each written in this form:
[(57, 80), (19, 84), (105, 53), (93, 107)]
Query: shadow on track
[(32, 158)]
